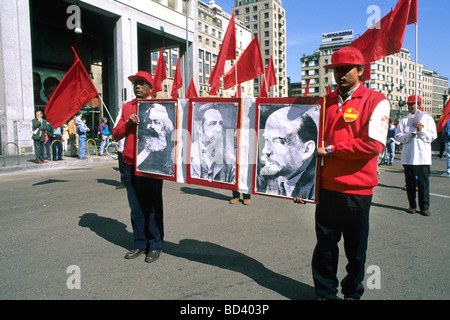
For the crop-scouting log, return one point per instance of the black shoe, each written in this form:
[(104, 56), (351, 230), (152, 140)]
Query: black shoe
[(153, 255), (134, 253)]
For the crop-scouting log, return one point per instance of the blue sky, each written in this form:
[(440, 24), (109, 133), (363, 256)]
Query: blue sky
[(308, 20)]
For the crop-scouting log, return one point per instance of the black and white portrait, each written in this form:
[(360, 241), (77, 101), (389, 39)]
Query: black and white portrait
[(287, 140), (155, 147), (213, 149)]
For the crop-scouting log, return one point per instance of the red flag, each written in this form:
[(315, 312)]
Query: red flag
[(227, 52), (305, 94), (386, 36), (270, 79), (160, 73), (191, 91), (444, 118), (249, 65), (73, 92), (177, 81), (412, 16)]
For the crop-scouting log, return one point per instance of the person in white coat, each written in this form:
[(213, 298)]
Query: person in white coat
[(416, 132)]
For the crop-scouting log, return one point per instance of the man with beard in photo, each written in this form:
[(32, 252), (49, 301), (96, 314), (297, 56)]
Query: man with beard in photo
[(288, 160), (154, 152), (210, 159)]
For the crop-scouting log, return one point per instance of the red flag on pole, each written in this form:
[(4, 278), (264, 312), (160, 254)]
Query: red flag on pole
[(249, 65), (191, 91), (177, 81), (386, 36), (73, 92), (413, 15), (270, 79), (305, 94), (160, 73), (227, 52), (444, 118)]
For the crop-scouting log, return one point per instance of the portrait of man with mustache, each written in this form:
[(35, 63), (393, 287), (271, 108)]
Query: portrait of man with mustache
[(287, 163), (212, 150), (155, 143)]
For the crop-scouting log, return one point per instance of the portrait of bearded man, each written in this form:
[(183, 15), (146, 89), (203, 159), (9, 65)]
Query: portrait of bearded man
[(213, 155), (155, 144), (287, 163)]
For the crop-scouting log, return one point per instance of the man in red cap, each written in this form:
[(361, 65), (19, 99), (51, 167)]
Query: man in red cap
[(416, 132), (144, 194), (356, 124)]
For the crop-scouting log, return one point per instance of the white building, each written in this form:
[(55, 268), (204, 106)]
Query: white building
[(117, 36)]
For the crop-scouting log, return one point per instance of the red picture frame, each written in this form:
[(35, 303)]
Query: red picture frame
[(313, 102), (203, 182), (175, 121)]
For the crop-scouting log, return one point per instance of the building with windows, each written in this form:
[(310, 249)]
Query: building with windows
[(113, 38), (267, 20), (394, 76), (211, 27), (212, 24)]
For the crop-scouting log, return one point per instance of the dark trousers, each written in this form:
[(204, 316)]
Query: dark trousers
[(422, 172), (145, 200), (121, 164), (347, 215), (237, 194), (56, 143), (39, 150)]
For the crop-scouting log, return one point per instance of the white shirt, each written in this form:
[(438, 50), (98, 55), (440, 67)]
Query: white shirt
[(416, 149)]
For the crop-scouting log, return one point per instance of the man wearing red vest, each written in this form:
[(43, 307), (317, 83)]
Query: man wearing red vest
[(356, 125), (144, 194)]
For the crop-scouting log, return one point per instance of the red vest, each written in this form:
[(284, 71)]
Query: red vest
[(353, 166)]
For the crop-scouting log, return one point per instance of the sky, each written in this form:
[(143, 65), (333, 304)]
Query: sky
[(307, 20)]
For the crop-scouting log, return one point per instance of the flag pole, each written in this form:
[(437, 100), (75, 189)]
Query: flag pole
[(417, 53), (104, 106)]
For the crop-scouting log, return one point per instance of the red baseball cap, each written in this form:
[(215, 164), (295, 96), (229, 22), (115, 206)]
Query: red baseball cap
[(347, 56), (142, 75), (412, 99)]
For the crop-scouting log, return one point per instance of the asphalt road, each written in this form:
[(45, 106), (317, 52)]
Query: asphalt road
[(69, 221)]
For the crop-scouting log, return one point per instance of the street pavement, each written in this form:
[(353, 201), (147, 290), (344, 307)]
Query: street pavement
[(65, 219)]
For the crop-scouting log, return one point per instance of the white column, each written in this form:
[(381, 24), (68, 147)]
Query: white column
[(126, 57), (178, 5), (16, 76), (164, 2)]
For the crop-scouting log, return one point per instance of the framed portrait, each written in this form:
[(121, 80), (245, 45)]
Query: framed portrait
[(156, 139), (288, 132), (212, 158)]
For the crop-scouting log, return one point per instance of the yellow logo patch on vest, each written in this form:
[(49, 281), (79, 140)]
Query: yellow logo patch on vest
[(350, 115)]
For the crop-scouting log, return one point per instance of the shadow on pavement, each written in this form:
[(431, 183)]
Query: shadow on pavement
[(205, 193), (204, 252), (49, 181)]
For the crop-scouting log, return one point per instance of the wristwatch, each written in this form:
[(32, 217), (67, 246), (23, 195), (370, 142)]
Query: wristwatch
[(328, 150)]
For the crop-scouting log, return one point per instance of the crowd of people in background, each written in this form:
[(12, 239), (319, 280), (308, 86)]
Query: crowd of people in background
[(50, 143)]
